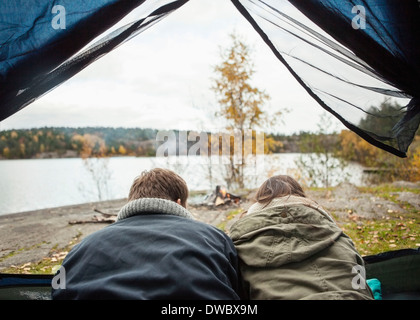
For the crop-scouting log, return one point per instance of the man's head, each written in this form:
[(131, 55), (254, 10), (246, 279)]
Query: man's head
[(160, 183)]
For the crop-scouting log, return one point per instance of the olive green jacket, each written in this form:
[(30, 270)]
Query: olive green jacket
[(292, 249)]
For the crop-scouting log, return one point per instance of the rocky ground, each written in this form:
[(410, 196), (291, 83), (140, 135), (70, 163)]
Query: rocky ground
[(31, 236)]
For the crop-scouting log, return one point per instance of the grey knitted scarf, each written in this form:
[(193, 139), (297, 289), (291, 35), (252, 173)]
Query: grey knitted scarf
[(152, 205)]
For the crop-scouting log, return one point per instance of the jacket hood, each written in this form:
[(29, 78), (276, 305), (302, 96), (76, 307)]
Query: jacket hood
[(284, 232)]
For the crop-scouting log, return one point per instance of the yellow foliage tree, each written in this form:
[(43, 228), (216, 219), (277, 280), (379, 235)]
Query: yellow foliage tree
[(357, 149), (22, 148), (92, 145), (122, 150), (6, 152), (240, 102), (392, 167), (415, 165)]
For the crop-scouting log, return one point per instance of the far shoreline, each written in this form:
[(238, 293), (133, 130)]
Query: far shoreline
[(70, 154)]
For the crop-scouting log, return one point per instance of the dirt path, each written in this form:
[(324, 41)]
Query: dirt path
[(32, 236)]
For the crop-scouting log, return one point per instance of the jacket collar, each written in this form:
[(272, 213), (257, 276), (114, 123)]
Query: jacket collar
[(152, 205)]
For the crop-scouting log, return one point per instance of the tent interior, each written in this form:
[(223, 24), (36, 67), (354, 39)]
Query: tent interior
[(349, 56)]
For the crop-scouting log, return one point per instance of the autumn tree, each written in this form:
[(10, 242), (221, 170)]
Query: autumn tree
[(385, 166), (95, 161), (241, 104)]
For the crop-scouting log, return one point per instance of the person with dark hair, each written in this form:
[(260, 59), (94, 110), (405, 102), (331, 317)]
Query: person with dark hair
[(290, 248), (155, 250)]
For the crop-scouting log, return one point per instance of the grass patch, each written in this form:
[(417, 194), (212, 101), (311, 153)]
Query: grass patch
[(15, 252), (381, 235), (48, 265), (386, 189), (391, 193), (394, 232), (229, 216)]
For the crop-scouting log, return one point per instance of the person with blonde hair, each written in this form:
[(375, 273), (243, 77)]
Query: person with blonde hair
[(290, 248), (155, 250)]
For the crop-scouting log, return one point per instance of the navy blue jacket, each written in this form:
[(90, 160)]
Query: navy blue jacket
[(152, 256)]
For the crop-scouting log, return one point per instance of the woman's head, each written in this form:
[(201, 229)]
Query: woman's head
[(278, 186), (159, 183)]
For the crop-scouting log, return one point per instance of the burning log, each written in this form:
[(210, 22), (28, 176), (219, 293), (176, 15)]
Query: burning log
[(221, 196)]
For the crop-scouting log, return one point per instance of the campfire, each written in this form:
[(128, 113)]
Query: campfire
[(221, 196)]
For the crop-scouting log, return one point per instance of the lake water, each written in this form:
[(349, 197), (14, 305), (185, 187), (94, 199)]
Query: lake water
[(44, 183)]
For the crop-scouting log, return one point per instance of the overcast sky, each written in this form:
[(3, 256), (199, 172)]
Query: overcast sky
[(162, 79)]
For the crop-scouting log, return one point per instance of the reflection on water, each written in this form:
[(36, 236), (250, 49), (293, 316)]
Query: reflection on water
[(43, 183)]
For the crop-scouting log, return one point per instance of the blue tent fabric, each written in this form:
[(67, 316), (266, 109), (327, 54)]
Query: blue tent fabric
[(25, 286), (345, 53), (35, 56), (30, 47), (12, 280)]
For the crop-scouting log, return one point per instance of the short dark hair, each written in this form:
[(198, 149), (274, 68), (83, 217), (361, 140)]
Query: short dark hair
[(278, 186), (159, 183)]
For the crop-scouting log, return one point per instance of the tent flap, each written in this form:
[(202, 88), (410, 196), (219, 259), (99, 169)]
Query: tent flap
[(43, 45), (356, 59)]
